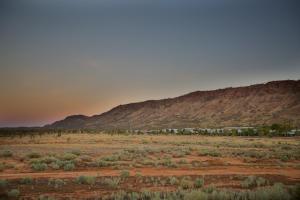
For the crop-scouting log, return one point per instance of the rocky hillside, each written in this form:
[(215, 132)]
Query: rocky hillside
[(273, 102)]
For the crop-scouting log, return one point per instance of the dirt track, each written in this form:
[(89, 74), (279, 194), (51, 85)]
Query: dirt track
[(291, 173)]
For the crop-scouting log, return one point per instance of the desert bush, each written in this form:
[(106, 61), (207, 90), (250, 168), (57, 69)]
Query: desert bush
[(48, 159), (296, 191), (45, 197), (68, 156), (69, 167), (57, 183), (14, 193), (253, 181), (3, 183), (284, 158), (182, 161), (39, 166), (54, 166), (206, 152), (221, 195), (87, 180), (26, 180), (173, 181), (138, 175), (76, 152), (2, 167), (276, 192), (111, 158), (86, 158), (261, 182), (6, 153), (112, 182), (33, 155), (210, 188), (186, 184), (125, 174), (199, 182), (196, 195)]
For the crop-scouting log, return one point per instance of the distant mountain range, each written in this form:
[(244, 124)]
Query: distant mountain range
[(272, 102)]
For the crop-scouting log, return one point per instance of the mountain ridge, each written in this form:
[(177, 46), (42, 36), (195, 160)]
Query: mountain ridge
[(266, 103)]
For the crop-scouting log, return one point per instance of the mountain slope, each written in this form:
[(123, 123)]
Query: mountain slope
[(273, 102)]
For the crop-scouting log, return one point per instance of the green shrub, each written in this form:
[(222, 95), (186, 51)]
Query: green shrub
[(112, 182), (261, 182), (2, 167), (57, 183), (6, 153), (86, 158), (87, 180), (3, 183), (199, 182), (69, 156), (138, 175), (111, 158), (54, 166), (196, 195), (26, 180), (186, 184), (173, 181), (125, 174), (210, 188), (69, 167), (276, 192), (14, 193), (103, 163), (39, 166), (212, 153), (253, 181), (284, 158), (76, 152), (48, 159), (33, 155)]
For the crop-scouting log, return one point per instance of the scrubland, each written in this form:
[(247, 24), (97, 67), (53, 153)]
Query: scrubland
[(108, 166)]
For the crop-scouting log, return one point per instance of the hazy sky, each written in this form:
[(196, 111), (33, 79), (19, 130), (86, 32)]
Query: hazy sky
[(62, 57)]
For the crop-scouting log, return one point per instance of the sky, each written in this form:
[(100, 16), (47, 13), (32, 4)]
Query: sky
[(65, 57)]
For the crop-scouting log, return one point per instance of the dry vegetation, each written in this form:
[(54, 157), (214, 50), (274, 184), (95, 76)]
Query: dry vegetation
[(103, 166)]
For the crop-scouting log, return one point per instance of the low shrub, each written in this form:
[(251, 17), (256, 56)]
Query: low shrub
[(69, 156), (173, 181), (86, 158), (186, 184), (111, 158), (86, 180), (125, 174), (3, 183), (6, 153), (57, 183), (54, 166), (48, 159), (199, 182), (253, 181), (76, 152), (39, 166), (45, 197), (33, 155), (69, 167), (2, 167), (112, 182), (26, 180), (103, 163), (196, 195), (14, 193)]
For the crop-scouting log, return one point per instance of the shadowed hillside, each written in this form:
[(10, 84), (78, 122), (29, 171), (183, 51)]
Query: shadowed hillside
[(273, 102)]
